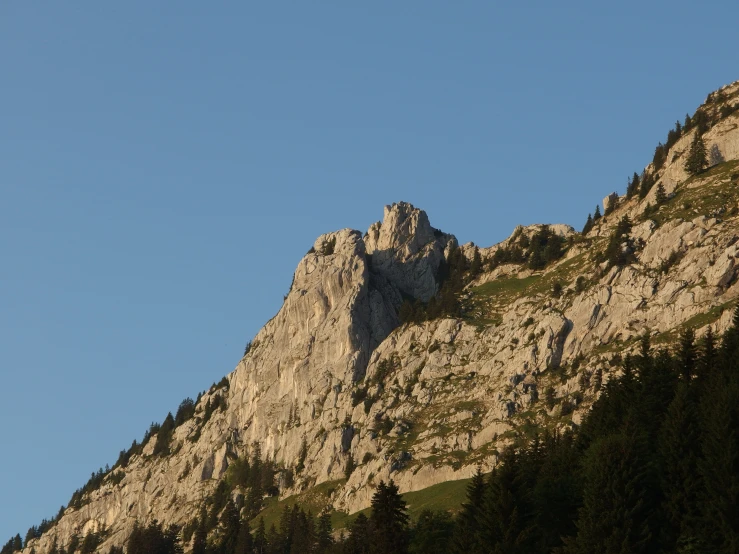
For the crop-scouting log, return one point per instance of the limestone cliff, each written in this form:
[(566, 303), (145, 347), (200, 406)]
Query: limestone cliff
[(422, 403)]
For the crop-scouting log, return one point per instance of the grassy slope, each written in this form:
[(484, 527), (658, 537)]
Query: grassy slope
[(447, 496)]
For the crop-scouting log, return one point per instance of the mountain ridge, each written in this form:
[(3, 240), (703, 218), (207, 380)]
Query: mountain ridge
[(429, 400)]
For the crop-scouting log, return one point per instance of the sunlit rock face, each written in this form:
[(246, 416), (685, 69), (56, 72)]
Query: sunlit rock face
[(423, 403)]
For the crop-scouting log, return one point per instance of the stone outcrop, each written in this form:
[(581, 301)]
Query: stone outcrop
[(407, 251)]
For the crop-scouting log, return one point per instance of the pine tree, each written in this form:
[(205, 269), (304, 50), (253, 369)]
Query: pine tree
[(464, 538), (700, 121), (244, 541), (555, 494), (501, 522), (660, 155), (633, 186), (656, 389), (302, 455), (708, 358), (697, 159), (686, 355), (646, 184), (360, 538), (614, 517), (660, 197), (273, 541), (303, 533), (288, 520), (324, 538), (596, 213), (389, 520), (476, 265), (431, 533), (615, 252), (679, 470), (164, 436), (719, 464), (350, 465), (230, 526), (260, 538), (588, 225)]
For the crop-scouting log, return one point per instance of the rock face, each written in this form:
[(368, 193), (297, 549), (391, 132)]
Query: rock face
[(336, 373), (407, 251)]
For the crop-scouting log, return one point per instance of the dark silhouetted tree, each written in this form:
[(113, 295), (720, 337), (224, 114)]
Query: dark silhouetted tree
[(697, 159), (588, 225), (660, 196), (389, 520)]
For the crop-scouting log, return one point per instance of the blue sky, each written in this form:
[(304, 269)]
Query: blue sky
[(164, 166)]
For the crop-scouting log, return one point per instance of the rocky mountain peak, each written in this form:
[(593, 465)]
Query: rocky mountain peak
[(407, 251), (404, 227)]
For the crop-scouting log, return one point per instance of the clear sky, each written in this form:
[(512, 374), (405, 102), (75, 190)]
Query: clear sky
[(164, 166)]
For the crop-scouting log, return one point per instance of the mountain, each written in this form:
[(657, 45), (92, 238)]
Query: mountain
[(399, 354)]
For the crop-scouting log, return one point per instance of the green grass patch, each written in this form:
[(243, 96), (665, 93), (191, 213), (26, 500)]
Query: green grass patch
[(315, 500), (511, 285), (447, 497), (700, 320), (488, 301), (695, 322)]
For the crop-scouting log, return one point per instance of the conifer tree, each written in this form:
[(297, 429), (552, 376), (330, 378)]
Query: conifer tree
[(556, 492), (588, 225), (431, 533), (633, 186), (700, 121), (679, 470), (657, 382), (697, 159), (686, 355), (476, 265), (389, 520), (287, 526), (502, 520), (719, 464), (614, 517), (708, 358), (302, 455), (596, 213), (350, 466), (660, 196), (164, 436), (660, 155), (615, 252), (273, 541), (324, 534), (646, 185), (464, 538), (360, 538), (230, 526), (303, 537), (244, 541), (260, 538)]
